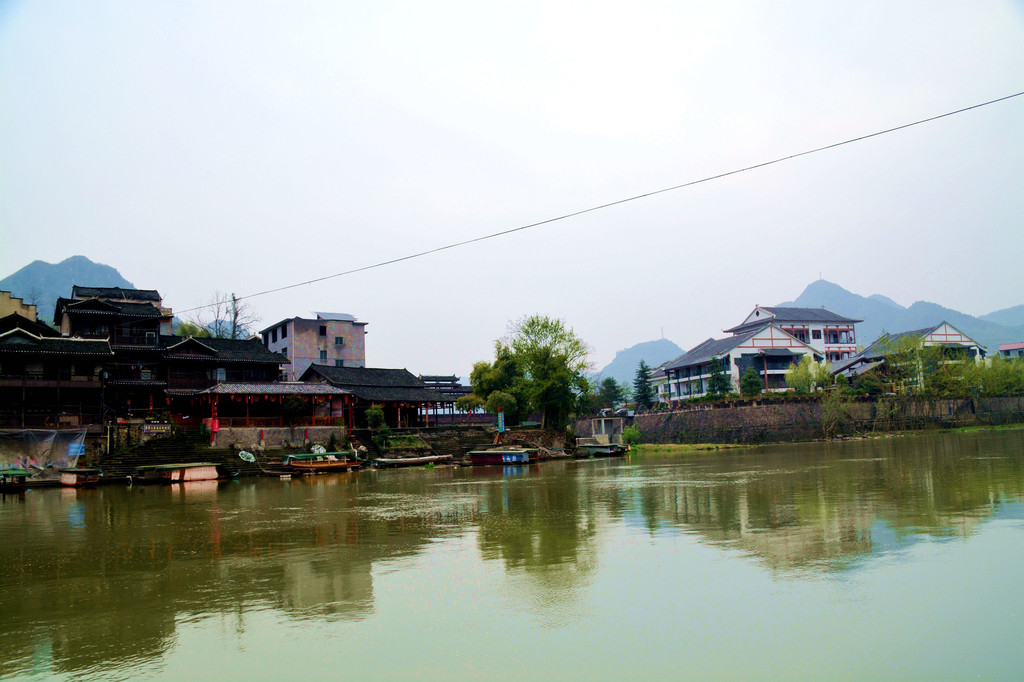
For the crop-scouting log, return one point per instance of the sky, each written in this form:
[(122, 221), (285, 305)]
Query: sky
[(211, 146)]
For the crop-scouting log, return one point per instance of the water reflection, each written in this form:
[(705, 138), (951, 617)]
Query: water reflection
[(100, 579)]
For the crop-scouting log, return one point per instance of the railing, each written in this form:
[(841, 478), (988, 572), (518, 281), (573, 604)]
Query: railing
[(48, 417)]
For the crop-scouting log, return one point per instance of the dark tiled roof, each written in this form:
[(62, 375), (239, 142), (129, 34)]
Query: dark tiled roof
[(791, 315), (399, 394), (16, 321), (366, 376), (275, 388), (96, 306), (22, 342), (375, 384), (116, 293), (221, 350), (712, 348), (876, 351)]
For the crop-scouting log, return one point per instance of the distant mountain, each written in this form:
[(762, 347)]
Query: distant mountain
[(623, 367), (881, 313), (43, 283), (1008, 317)]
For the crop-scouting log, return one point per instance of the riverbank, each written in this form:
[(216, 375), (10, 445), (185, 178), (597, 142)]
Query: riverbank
[(813, 417)]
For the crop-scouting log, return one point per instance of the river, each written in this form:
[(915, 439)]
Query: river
[(895, 559)]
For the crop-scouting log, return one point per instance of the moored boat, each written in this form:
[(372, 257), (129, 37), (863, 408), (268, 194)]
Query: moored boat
[(79, 477), (504, 456), (13, 480), (394, 462), (176, 473), (320, 462)]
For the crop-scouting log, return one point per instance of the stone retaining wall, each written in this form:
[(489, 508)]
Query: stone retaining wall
[(811, 418)]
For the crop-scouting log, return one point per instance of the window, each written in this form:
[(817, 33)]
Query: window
[(284, 351), (339, 341), (816, 334), (284, 331), (273, 336), (339, 363), (323, 355), (323, 330)]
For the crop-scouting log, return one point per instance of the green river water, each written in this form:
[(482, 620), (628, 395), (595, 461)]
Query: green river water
[(889, 559)]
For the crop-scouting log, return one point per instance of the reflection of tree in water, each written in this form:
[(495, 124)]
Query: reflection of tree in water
[(819, 505), (543, 528)]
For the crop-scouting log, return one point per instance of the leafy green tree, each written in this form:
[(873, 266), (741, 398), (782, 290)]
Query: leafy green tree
[(499, 401), (505, 374), (751, 383), (554, 362), (868, 384), (718, 382), (469, 403), (541, 365), (807, 375), (631, 435), (375, 417), (192, 329), (799, 376), (609, 393), (643, 395)]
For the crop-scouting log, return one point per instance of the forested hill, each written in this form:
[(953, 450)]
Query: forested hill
[(43, 283), (623, 367), (883, 314)]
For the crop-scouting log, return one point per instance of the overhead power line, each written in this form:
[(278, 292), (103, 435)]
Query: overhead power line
[(617, 202)]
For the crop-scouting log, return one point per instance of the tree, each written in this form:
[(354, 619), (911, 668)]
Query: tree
[(191, 329), (554, 362), (226, 317), (807, 374), (643, 396), (505, 374), (609, 393), (751, 383), (541, 365), (718, 382), (469, 403), (499, 401)]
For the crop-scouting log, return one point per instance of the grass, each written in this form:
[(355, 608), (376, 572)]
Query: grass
[(406, 443)]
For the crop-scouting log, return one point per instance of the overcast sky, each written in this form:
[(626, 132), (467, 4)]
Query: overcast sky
[(242, 146)]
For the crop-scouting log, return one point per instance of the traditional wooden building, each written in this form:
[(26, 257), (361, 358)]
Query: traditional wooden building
[(132, 321), (405, 398), (262, 405), (47, 381)]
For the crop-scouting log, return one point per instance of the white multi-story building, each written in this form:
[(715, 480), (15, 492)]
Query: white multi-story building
[(829, 333), (768, 348)]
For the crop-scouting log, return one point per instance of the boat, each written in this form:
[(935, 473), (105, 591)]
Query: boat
[(605, 439), (79, 477), (13, 480), (507, 455), (393, 462), (320, 462), (176, 473)]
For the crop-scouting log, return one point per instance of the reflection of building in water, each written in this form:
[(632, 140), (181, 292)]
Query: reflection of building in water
[(327, 585), (808, 510), (102, 577)]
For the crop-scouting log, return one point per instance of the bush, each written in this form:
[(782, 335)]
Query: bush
[(631, 435)]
